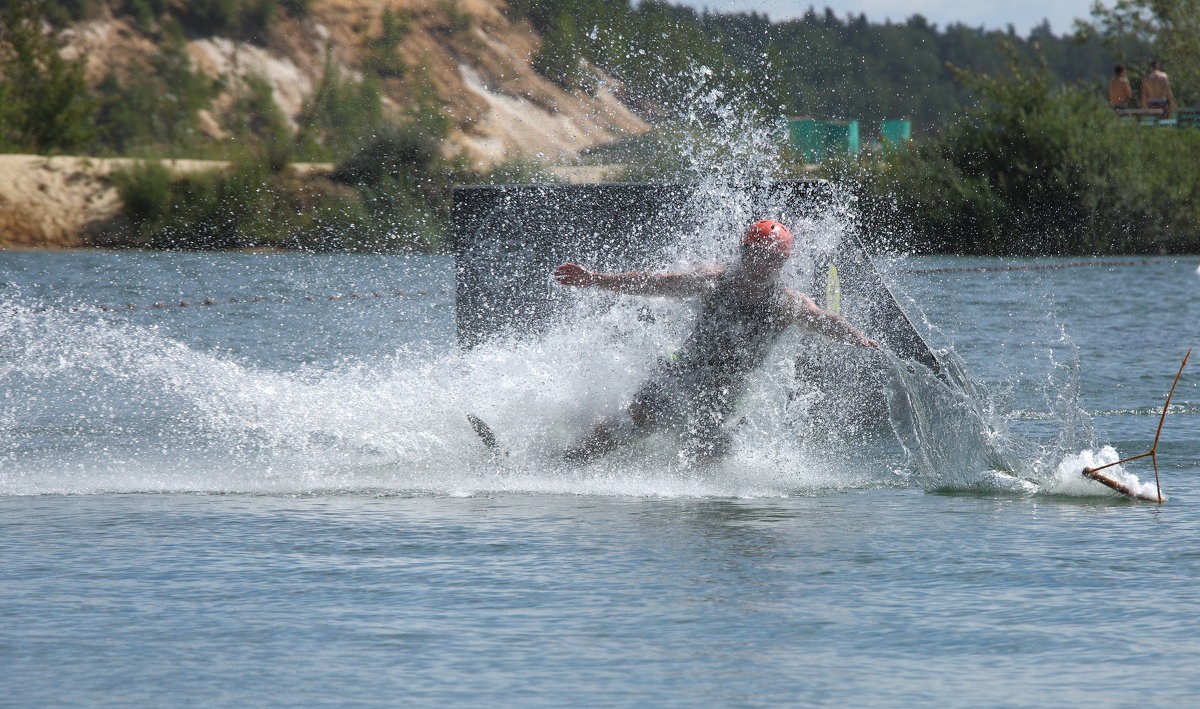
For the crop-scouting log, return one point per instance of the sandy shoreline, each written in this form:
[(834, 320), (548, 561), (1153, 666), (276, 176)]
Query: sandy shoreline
[(67, 202), (64, 202)]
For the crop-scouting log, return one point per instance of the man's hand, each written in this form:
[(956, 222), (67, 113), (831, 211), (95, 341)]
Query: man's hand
[(571, 274), (807, 314), (858, 337)]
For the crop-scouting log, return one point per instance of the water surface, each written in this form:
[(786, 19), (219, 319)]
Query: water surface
[(278, 501)]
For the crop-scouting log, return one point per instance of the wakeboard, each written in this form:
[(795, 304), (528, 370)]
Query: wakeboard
[(487, 436)]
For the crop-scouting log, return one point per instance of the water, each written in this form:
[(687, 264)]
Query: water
[(279, 501)]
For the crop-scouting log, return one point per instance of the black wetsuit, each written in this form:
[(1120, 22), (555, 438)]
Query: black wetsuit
[(698, 387)]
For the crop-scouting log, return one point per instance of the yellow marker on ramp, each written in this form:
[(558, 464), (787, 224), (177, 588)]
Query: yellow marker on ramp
[(833, 291)]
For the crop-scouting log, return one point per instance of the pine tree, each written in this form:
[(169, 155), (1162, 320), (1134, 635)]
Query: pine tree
[(45, 105)]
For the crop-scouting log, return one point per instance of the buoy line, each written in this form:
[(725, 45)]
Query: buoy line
[(393, 292), (1031, 267)]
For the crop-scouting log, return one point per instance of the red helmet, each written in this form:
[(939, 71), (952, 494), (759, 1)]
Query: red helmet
[(769, 234)]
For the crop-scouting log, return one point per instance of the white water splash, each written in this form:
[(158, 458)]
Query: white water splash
[(1068, 478), (92, 404)]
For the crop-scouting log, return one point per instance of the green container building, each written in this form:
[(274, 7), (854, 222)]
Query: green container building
[(816, 139), (841, 137), (806, 138), (896, 131)]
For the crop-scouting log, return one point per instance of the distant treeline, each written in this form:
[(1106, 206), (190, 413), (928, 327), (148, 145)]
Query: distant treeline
[(1039, 167), (819, 64), (1017, 153)]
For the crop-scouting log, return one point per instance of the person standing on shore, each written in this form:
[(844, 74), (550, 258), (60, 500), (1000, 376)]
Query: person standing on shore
[(1120, 93), (1156, 91)]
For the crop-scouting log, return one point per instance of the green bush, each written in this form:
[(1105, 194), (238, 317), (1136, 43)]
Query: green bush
[(209, 17), (404, 181), (157, 110), (145, 189), (339, 116), (245, 206), (393, 193), (333, 218), (379, 53), (242, 19), (457, 19), (259, 123), (45, 105), (1038, 168), (297, 8), (395, 153)]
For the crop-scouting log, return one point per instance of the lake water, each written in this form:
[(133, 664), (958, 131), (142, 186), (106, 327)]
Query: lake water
[(275, 499)]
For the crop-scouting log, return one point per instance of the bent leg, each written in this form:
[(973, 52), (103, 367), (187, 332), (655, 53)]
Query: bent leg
[(602, 439), (707, 440), (709, 448), (612, 433)]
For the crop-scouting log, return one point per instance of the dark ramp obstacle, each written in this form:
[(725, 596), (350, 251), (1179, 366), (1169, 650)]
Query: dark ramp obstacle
[(508, 238)]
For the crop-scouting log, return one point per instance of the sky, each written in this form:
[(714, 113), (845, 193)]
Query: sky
[(991, 14)]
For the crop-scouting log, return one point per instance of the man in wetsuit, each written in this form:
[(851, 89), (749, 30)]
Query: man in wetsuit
[(743, 311)]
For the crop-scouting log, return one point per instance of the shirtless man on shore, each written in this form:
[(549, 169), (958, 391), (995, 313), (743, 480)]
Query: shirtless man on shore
[(1120, 93), (743, 311), (1156, 91)]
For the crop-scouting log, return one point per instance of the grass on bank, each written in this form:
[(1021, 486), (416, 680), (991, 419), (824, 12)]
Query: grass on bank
[(392, 194), (256, 203), (245, 206)]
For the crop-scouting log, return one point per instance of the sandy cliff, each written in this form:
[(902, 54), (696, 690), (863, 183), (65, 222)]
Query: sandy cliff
[(473, 55)]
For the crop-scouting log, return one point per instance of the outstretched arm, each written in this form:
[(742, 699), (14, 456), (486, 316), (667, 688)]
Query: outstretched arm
[(679, 285), (811, 316)]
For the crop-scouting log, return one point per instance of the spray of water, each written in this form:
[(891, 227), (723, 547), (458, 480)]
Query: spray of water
[(93, 404)]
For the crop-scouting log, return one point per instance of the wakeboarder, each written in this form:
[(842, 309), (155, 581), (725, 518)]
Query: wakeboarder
[(743, 311)]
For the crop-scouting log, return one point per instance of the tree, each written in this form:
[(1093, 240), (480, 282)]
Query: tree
[(339, 114), (1171, 27), (380, 53), (44, 100), (559, 59), (156, 107)]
